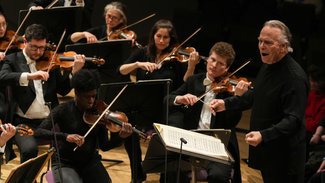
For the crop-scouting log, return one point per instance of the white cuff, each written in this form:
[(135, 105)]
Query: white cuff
[(23, 81)]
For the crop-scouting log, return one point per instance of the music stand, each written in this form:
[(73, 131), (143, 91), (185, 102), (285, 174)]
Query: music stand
[(154, 161), (114, 52), (28, 171), (56, 20), (142, 102)]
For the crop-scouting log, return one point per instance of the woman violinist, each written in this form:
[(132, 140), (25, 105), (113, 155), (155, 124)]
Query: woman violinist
[(84, 164), (5, 38), (146, 61), (115, 19)]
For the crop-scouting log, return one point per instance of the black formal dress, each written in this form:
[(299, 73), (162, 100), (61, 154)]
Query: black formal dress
[(278, 104), (188, 118)]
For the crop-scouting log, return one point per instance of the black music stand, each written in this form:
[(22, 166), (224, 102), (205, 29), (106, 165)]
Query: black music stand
[(28, 171), (142, 102), (156, 156), (114, 52), (56, 20)]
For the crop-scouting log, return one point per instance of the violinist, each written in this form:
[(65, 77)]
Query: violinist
[(84, 164), (198, 115), (145, 61), (33, 89), (115, 19), (5, 37)]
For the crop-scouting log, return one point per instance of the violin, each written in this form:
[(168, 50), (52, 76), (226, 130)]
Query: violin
[(15, 45), (64, 60), (124, 34), (22, 130), (183, 55), (228, 85), (112, 120)]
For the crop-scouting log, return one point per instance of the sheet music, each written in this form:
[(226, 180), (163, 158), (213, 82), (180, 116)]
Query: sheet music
[(196, 142)]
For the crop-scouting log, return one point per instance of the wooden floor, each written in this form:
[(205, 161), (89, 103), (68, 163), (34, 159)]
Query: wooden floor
[(120, 173)]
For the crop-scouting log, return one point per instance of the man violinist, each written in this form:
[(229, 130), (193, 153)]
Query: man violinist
[(84, 163), (198, 115), (34, 91)]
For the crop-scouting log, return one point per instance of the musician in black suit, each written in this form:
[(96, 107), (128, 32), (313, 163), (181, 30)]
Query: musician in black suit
[(34, 91), (198, 115)]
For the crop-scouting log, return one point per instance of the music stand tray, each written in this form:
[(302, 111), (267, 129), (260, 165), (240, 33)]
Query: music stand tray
[(28, 171), (154, 161)]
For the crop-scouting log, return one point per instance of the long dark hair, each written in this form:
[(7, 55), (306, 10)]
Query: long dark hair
[(152, 49)]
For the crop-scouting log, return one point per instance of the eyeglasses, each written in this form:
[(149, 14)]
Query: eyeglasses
[(112, 17), (35, 48)]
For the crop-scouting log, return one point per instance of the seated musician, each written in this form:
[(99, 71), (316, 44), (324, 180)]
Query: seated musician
[(144, 61), (5, 38), (82, 165), (7, 131), (198, 115), (33, 89), (115, 19)]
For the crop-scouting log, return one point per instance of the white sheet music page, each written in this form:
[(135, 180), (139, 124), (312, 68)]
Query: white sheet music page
[(196, 143)]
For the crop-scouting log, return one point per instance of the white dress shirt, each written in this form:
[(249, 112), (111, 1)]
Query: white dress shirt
[(38, 109), (205, 117)]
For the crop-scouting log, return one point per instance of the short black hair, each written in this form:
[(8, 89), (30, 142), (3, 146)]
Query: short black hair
[(85, 80), (35, 31)]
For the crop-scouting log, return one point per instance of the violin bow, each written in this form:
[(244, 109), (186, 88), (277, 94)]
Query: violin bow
[(177, 47), (103, 113), (51, 4), (227, 77), (139, 21), (56, 50), (12, 40)]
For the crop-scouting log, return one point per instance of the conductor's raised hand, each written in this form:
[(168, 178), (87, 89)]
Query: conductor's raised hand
[(147, 66), (242, 87), (187, 99), (38, 75)]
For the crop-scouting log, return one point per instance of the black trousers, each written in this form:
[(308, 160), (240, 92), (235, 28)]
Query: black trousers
[(27, 145), (91, 172)]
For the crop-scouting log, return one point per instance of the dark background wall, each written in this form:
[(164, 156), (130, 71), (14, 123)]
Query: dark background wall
[(234, 21)]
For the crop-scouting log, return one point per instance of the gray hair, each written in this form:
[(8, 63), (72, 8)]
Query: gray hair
[(119, 7), (286, 34)]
